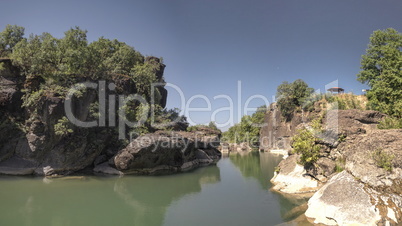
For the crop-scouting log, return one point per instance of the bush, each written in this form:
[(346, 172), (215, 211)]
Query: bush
[(248, 130), (340, 164), (63, 127), (304, 143), (347, 101), (390, 123), (382, 159), (31, 99)]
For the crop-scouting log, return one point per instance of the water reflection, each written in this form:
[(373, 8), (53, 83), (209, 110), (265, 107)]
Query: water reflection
[(149, 197), (128, 200), (257, 165), (235, 192), (261, 166)]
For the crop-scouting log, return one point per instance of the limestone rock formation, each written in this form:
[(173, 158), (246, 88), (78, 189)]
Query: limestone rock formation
[(359, 154), (29, 143), (293, 178), (370, 160), (346, 201), (277, 132)]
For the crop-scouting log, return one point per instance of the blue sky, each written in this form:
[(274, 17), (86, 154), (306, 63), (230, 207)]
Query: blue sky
[(208, 46)]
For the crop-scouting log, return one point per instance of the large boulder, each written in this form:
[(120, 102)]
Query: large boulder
[(292, 178), (166, 152), (360, 154), (346, 201)]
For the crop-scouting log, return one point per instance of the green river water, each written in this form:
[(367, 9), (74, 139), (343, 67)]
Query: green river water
[(234, 192)]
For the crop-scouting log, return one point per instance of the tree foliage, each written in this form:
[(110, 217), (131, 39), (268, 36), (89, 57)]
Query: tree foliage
[(381, 69), (304, 143), (71, 56), (292, 95), (9, 37), (212, 125), (248, 130), (63, 62), (59, 63)]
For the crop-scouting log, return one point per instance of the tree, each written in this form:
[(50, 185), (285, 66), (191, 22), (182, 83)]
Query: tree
[(9, 37), (60, 63), (212, 125), (292, 95), (381, 70), (248, 130)]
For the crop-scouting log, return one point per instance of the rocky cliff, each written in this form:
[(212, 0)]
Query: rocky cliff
[(358, 169), (30, 144), (277, 132)]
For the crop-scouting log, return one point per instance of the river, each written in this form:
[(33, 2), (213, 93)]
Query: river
[(234, 192)]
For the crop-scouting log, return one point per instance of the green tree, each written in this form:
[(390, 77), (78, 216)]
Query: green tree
[(212, 125), (248, 130), (143, 76), (381, 70), (292, 95), (9, 37)]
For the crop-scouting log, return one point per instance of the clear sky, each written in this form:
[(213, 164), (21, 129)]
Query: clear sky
[(210, 45)]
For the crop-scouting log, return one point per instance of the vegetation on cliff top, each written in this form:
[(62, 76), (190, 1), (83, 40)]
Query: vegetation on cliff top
[(51, 66), (62, 62), (291, 96), (211, 125)]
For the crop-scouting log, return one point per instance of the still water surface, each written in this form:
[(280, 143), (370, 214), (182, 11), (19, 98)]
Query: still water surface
[(234, 192)]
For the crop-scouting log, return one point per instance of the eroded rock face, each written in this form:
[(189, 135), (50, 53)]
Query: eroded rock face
[(10, 85), (292, 178), (166, 152), (346, 201), (352, 122), (348, 142), (28, 142), (276, 132)]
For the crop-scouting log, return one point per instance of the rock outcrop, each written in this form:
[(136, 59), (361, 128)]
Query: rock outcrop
[(166, 152), (10, 86), (360, 151), (242, 148), (277, 132), (337, 201), (293, 178), (30, 144), (369, 159)]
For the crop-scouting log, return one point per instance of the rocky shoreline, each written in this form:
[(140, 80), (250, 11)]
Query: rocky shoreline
[(346, 179)]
